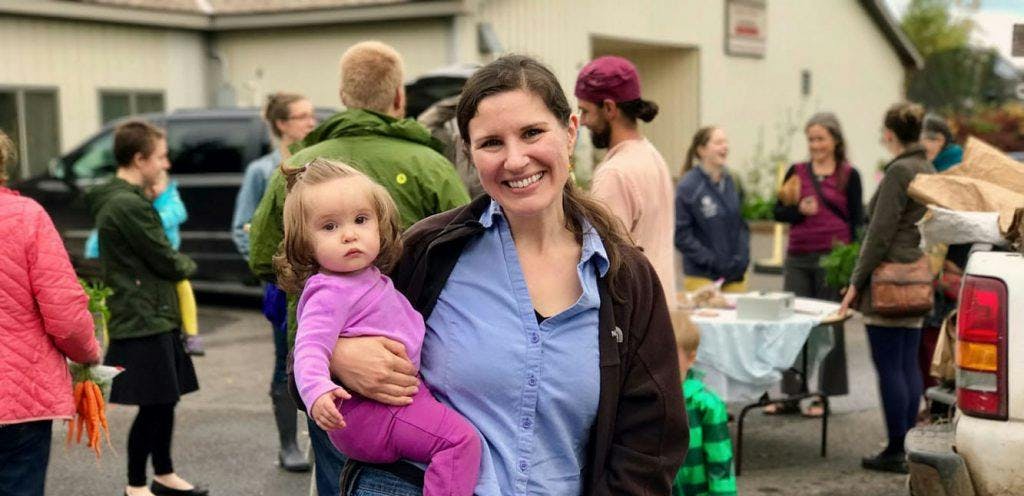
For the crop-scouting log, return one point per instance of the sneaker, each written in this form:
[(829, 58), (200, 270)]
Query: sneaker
[(895, 462), (194, 346)]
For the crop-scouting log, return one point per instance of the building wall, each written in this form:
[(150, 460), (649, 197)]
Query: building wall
[(305, 60), (855, 71), (80, 58)]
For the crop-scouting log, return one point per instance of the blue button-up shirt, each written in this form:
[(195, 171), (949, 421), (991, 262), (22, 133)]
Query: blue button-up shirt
[(254, 183), (531, 390)]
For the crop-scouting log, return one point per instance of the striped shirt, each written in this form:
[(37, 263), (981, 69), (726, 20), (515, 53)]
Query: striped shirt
[(708, 468)]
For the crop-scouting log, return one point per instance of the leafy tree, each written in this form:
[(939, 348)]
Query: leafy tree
[(931, 27)]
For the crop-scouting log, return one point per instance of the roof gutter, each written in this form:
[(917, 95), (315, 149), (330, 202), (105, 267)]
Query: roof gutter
[(890, 27), (102, 13), (413, 10), (228, 22)]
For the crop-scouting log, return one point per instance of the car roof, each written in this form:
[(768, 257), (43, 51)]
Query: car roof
[(214, 113)]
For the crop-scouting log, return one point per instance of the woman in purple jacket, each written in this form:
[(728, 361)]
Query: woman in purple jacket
[(829, 212)]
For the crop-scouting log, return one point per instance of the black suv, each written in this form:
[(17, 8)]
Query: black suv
[(208, 149)]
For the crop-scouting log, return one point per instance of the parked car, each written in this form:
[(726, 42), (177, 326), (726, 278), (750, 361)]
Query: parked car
[(981, 450), (208, 149), (436, 85)]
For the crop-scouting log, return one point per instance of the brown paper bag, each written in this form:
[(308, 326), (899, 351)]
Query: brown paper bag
[(943, 365), (987, 163), (967, 194)]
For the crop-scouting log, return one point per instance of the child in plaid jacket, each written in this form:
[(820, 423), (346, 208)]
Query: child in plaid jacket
[(708, 468)]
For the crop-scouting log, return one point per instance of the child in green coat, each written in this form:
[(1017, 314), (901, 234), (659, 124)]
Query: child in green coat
[(708, 468)]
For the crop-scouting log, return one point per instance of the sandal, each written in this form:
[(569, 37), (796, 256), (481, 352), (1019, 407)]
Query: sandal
[(816, 409), (785, 407)]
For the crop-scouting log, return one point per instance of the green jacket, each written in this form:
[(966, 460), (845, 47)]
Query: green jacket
[(892, 234), (708, 466), (137, 260), (399, 154)]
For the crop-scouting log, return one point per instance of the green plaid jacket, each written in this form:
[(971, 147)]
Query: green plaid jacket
[(708, 467)]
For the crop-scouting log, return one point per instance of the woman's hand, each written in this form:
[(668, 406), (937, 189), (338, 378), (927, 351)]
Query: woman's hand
[(851, 294), (809, 206), (376, 368)]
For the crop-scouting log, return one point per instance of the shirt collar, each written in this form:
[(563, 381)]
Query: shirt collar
[(593, 246)]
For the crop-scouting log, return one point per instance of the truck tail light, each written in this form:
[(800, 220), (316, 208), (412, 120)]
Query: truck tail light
[(981, 348)]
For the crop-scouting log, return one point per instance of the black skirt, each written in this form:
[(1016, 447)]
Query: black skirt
[(157, 371)]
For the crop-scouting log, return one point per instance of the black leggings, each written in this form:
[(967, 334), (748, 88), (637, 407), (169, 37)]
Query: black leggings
[(150, 435)]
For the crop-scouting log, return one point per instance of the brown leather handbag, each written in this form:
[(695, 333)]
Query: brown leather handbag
[(900, 290)]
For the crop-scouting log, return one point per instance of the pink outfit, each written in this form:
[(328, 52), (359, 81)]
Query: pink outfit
[(634, 183), (44, 316), (819, 232), (367, 304)]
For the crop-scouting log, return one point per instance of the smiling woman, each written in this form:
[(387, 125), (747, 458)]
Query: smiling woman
[(572, 388)]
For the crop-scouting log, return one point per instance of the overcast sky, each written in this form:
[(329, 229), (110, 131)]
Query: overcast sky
[(994, 18)]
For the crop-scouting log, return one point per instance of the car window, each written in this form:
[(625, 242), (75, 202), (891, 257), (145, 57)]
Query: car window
[(96, 159), (208, 146)]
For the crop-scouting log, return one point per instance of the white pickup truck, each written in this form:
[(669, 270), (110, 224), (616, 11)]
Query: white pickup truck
[(982, 451)]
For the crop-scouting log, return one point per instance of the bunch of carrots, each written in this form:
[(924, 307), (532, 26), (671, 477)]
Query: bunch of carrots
[(90, 417)]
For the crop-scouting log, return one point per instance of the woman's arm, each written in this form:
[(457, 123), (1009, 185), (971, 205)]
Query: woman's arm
[(685, 239), (789, 214), (651, 434), (375, 367), (63, 305), (892, 199), (854, 202), (248, 198)]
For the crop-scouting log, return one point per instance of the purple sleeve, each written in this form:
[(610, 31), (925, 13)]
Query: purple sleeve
[(323, 309)]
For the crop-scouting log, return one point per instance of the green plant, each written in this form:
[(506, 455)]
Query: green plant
[(756, 208), (839, 264), (98, 294)]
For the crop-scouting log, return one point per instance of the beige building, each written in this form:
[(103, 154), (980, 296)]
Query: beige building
[(750, 66)]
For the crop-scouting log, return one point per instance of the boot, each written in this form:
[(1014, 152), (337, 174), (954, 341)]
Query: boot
[(290, 457)]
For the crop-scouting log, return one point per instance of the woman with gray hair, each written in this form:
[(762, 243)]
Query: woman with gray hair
[(824, 207), (939, 147)]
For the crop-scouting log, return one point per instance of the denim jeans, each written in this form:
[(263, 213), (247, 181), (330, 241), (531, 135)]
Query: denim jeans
[(373, 482), (328, 461), (24, 456)]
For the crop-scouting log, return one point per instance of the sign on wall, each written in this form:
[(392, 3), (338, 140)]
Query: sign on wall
[(1018, 40), (746, 23)]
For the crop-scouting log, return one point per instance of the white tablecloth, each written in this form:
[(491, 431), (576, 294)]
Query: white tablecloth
[(741, 359)]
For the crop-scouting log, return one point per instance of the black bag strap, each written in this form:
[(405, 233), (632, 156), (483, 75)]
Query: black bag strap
[(828, 204)]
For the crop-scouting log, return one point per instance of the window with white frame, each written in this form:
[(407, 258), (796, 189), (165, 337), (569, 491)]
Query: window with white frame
[(31, 117), (115, 104)]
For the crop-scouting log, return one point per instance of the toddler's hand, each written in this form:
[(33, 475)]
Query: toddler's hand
[(324, 411)]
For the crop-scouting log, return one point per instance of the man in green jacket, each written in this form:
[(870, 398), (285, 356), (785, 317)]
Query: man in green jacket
[(371, 136)]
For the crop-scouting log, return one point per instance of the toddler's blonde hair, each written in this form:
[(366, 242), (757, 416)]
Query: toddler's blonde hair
[(687, 333), (296, 261)]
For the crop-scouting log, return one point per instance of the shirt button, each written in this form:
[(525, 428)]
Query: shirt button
[(527, 423), (532, 381), (522, 465), (534, 338)]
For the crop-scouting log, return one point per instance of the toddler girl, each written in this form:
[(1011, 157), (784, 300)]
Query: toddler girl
[(340, 231)]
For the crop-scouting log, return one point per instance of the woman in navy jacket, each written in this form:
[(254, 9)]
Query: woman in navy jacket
[(710, 230)]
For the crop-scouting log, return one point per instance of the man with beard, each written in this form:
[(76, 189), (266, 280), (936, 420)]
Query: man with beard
[(633, 180)]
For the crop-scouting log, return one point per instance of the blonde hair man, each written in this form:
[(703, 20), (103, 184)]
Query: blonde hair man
[(371, 79), (373, 137)]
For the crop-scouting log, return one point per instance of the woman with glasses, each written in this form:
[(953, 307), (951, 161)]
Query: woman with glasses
[(290, 118)]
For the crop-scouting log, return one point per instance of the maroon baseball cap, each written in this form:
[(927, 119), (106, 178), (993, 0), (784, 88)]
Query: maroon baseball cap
[(609, 77)]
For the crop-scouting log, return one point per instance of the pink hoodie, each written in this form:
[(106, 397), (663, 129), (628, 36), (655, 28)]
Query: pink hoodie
[(44, 315)]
